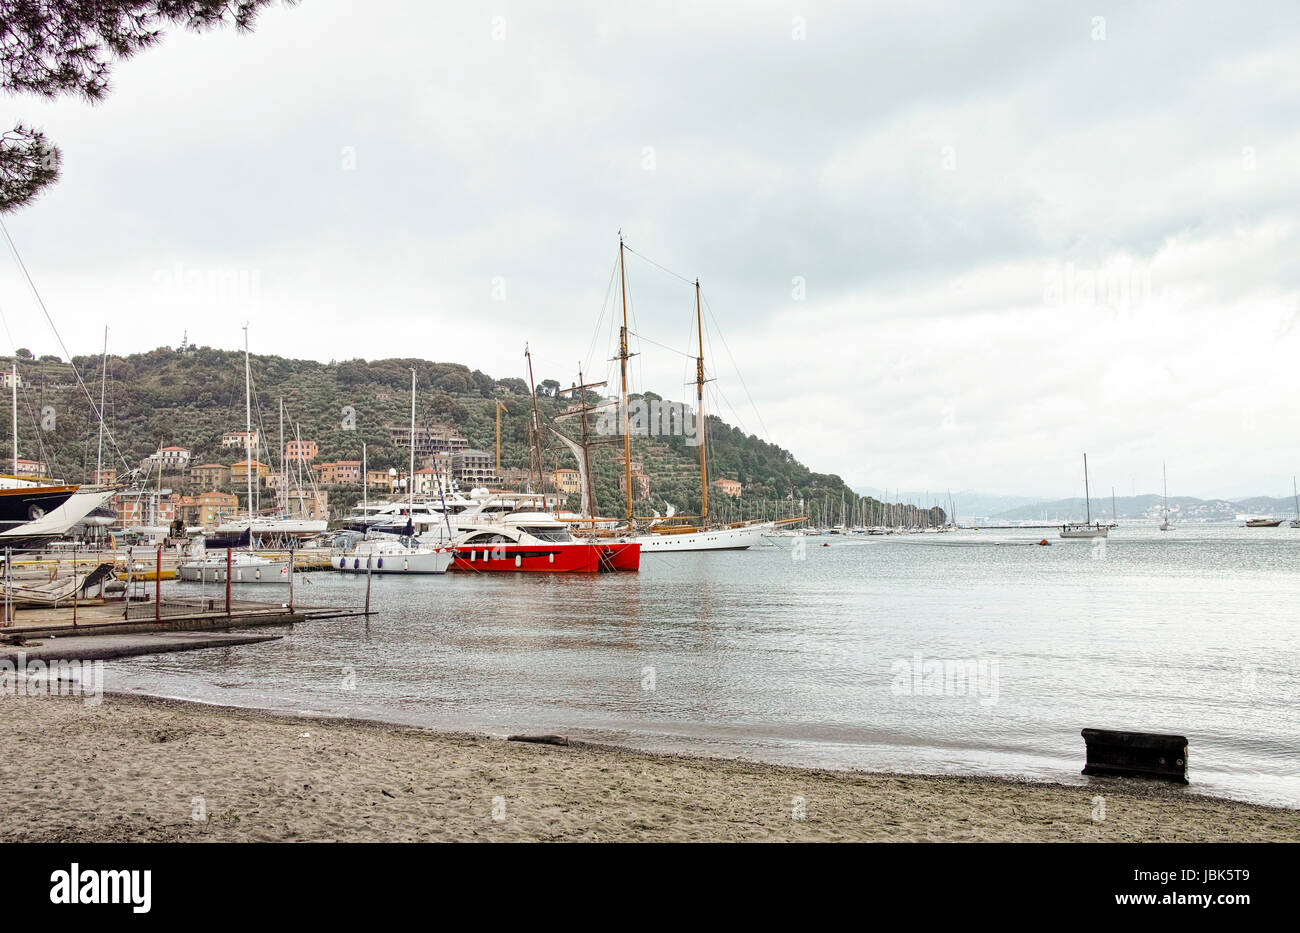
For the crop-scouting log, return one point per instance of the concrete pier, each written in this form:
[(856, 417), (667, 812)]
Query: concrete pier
[(104, 647)]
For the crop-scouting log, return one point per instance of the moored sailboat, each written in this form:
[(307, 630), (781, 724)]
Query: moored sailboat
[(1164, 522), (660, 535), (1088, 529), (391, 554)]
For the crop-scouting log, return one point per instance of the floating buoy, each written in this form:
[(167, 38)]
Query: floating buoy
[(1044, 543)]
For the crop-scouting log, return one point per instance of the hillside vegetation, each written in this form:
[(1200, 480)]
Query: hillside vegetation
[(189, 398)]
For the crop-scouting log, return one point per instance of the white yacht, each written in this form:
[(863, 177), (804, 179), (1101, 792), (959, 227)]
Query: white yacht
[(389, 554), (243, 566)]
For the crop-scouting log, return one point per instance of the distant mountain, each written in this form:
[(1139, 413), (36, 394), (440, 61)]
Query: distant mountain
[(967, 504), (1148, 507)]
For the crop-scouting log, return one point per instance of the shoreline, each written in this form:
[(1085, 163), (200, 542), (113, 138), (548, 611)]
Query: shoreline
[(142, 768)]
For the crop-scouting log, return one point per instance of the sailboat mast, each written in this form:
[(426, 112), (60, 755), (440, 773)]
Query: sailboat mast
[(1297, 497), (1087, 493), (248, 436), (1164, 480), (622, 359), (284, 473), (702, 426), (410, 475), (365, 492), (586, 451), (103, 378), (13, 389), (535, 433)]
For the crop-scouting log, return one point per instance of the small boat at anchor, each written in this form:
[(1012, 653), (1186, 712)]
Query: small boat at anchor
[(1263, 522), (1088, 529)]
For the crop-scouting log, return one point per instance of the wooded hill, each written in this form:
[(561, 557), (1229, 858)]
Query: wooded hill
[(190, 397)]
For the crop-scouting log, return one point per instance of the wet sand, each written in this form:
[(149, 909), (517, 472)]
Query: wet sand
[(143, 769)]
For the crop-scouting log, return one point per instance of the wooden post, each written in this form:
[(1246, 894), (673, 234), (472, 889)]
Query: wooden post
[(227, 581), (369, 573), (157, 587)]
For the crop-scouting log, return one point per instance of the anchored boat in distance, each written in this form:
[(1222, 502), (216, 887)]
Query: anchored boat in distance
[(1088, 529)]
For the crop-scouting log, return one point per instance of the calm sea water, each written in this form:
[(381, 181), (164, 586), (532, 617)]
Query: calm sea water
[(808, 657)]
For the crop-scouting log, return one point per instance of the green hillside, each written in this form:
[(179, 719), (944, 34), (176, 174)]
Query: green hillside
[(189, 398)]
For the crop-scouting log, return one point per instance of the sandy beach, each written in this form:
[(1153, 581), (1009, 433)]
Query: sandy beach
[(143, 769)]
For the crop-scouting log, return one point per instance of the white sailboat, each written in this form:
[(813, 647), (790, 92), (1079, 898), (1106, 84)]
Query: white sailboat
[(1088, 529), (1164, 522), (262, 530), (247, 566), (1295, 522), (390, 554)]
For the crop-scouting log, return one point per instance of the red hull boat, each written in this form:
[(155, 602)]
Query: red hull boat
[(538, 558), (624, 555)]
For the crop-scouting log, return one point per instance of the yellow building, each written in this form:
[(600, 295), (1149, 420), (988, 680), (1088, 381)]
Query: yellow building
[(728, 487), (568, 481), (212, 475), (239, 472)]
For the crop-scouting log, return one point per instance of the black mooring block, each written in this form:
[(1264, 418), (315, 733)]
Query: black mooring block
[(1136, 754)]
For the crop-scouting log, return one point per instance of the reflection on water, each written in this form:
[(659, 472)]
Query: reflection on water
[(827, 660)]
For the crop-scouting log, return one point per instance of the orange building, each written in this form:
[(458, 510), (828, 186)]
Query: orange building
[(300, 450), (340, 473)]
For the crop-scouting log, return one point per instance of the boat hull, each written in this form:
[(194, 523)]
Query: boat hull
[(1084, 532), (714, 539), (419, 562), (275, 571), (620, 556), (56, 523), (527, 558)]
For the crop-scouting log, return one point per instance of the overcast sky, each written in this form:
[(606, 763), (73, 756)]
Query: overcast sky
[(948, 246)]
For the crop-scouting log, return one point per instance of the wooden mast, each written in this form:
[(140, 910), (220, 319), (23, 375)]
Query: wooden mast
[(586, 448), (500, 406), (582, 409), (622, 358), (535, 451), (702, 426)]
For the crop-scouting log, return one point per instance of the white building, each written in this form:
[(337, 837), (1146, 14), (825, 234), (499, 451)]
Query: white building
[(171, 459)]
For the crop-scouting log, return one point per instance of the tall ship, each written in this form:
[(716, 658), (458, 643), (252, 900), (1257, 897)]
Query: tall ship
[(657, 534)]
